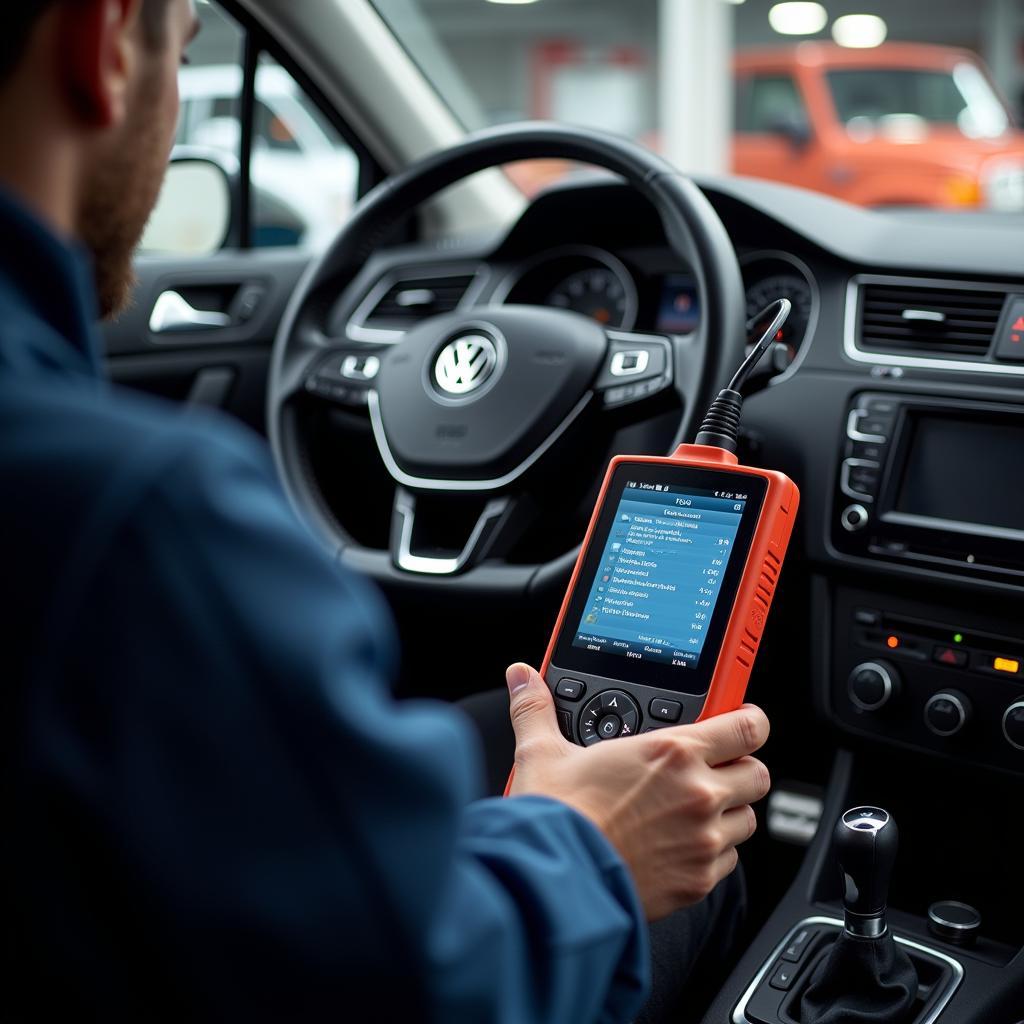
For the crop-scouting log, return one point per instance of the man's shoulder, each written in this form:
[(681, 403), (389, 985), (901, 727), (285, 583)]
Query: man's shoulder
[(74, 445)]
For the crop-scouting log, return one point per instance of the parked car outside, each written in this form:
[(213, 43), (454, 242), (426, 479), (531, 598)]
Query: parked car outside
[(898, 125), (298, 158)]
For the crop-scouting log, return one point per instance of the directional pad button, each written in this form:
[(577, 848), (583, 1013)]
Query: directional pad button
[(608, 715)]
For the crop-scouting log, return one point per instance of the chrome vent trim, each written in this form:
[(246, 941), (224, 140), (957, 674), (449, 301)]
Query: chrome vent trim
[(950, 362), (452, 287), (928, 320)]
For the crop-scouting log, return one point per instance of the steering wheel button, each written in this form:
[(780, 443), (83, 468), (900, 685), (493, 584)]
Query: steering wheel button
[(570, 689), (666, 710)]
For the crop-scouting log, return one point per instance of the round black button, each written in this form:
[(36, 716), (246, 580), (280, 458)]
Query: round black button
[(954, 921), (947, 713), (607, 715), (1013, 725), (854, 518), (871, 685)]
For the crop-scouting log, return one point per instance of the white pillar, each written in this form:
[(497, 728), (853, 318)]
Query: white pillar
[(1003, 26), (695, 83)]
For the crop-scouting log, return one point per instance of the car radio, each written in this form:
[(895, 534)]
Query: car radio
[(933, 483)]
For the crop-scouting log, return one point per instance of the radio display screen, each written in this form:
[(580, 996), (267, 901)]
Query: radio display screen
[(661, 575), (962, 471)]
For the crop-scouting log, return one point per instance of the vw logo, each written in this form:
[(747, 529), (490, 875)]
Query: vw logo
[(465, 364)]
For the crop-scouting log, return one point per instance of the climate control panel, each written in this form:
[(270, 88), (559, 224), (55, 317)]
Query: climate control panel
[(917, 676)]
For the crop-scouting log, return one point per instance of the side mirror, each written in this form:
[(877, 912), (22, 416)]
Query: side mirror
[(196, 213), (794, 129)]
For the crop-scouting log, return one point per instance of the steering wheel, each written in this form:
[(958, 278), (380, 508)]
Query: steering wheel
[(492, 401)]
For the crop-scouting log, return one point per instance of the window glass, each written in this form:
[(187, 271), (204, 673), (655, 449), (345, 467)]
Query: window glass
[(304, 176), (927, 91), (768, 101)]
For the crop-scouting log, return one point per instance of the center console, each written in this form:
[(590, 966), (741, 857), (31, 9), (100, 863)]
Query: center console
[(913, 528)]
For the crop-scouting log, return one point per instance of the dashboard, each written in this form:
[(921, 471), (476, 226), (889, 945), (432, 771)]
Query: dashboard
[(905, 347)]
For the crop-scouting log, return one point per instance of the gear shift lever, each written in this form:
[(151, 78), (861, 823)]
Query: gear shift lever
[(866, 976), (866, 841)]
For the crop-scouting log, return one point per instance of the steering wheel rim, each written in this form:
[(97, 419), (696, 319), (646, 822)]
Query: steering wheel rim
[(693, 229)]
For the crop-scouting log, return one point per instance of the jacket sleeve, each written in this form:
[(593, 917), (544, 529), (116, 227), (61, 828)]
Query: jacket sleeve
[(229, 809)]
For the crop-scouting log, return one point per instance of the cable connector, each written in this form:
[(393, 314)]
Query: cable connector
[(721, 426)]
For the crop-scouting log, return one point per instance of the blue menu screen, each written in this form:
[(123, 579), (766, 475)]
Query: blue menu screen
[(660, 574)]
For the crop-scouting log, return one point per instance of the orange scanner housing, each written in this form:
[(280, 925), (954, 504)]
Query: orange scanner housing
[(756, 588)]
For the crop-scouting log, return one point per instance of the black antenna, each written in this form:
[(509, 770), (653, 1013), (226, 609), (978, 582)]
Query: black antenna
[(721, 425)]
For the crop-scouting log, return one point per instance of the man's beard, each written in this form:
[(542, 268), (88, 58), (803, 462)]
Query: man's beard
[(118, 196)]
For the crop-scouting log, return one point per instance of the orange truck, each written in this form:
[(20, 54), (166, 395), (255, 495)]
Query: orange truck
[(898, 125)]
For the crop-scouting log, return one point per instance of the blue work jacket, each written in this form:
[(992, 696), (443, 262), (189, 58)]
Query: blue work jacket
[(213, 807)]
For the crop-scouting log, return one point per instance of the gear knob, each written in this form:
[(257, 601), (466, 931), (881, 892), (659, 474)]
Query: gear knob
[(866, 841)]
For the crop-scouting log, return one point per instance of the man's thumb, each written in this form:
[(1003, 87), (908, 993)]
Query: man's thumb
[(531, 706)]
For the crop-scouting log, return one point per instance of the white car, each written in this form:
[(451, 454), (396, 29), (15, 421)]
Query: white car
[(297, 157)]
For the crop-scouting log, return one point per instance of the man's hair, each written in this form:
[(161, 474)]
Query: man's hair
[(18, 18)]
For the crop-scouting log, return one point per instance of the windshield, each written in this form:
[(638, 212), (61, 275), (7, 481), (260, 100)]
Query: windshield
[(749, 87), (961, 99)]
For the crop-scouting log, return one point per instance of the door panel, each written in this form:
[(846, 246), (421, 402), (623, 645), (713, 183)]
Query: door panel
[(225, 366)]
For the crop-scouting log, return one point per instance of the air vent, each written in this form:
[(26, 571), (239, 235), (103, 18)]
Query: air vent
[(412, 299), (911, 318)]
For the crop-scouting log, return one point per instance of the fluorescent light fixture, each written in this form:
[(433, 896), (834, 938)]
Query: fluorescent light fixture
[(797, 19), (860, 31)]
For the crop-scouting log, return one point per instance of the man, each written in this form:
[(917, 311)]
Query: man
[(213, 809)]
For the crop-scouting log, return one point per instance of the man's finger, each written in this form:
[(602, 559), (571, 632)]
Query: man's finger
[(730, 736), (738, 825), (746, 780), (530, 704)]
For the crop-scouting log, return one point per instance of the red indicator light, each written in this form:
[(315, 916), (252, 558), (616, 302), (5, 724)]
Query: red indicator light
[(1019, 325), (1011, 665), (892, 641)]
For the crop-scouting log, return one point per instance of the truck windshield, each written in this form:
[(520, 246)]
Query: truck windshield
[(869, 98)]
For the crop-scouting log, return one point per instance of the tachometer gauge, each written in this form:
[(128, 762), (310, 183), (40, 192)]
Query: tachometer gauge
[(764, 292), (596, 292)]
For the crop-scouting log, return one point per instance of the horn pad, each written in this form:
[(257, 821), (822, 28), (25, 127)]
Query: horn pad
[(466, 398)]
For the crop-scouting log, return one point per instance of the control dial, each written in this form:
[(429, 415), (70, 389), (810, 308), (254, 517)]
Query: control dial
[(947, 712), (607, 715), (1013, 725), (872, 684)]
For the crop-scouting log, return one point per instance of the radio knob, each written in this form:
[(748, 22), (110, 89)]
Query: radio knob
[(872, 685), (854, 518), (947, 712), (1013, 724)]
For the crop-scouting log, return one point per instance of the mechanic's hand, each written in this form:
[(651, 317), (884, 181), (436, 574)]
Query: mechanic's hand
[(675, 802)]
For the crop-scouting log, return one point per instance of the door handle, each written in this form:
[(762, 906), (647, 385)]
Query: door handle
[(172, 314)]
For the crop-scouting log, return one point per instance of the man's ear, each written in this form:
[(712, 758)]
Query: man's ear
[(98, 53)]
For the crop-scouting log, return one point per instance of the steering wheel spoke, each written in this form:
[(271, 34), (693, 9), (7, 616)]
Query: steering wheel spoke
[(414, 553)]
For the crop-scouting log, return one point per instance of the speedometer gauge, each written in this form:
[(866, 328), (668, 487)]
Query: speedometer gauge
[(763, 292), (596, 292)]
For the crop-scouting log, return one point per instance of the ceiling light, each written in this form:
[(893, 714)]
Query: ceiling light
[(797, 19), (860, 31)]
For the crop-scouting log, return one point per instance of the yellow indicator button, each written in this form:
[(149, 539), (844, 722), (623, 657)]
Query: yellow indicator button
[(1011, 665)]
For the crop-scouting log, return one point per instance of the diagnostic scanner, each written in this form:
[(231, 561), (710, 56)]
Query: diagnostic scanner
[(668, 601)]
